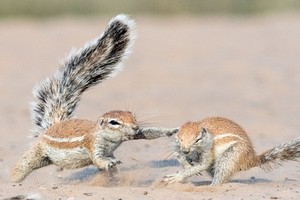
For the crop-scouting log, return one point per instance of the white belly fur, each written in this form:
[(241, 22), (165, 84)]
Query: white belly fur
[(69, 158)]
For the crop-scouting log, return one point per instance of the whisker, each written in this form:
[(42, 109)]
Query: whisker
[(167, 153), (147, 123), (143, 119), (155, 119), (170, 155)]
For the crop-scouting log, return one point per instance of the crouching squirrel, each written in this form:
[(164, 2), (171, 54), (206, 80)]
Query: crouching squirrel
[(222, 148)]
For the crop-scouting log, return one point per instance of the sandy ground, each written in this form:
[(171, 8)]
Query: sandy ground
[(183, 68)]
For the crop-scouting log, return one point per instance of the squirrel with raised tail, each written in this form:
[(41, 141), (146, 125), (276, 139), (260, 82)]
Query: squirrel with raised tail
[(74, 143), (222, 148)]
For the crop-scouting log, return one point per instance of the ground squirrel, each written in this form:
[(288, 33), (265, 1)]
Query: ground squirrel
[(74, 143), (222, 148)]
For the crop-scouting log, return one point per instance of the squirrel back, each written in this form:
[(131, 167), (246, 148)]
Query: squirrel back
[(56, 97)]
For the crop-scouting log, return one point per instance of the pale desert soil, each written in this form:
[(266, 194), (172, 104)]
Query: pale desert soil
[(182, 68)]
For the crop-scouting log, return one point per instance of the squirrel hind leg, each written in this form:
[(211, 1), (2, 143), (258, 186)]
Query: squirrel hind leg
[(226, 165), (32, 159)]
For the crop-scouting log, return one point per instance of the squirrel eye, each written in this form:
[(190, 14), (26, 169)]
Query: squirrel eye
[(114, 122), (198, 139)]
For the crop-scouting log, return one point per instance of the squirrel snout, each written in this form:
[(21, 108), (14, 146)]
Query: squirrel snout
[(135, 128), (185, 151)]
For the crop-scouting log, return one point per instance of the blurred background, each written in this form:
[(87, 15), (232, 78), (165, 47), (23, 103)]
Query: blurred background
[(55, 8)]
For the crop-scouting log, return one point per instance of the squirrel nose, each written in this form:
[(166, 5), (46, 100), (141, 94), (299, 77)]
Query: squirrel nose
[(135, 128), (185, 151)]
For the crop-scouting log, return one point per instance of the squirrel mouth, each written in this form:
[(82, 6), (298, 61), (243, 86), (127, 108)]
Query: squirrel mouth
[(136, 135), (132, 136)]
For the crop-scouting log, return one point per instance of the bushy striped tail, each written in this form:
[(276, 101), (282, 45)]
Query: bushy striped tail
[(280, 153), (57, 97)]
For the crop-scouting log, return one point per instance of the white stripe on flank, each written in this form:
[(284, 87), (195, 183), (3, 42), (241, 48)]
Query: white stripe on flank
[(221, 148), (223, 135), (74, 139)]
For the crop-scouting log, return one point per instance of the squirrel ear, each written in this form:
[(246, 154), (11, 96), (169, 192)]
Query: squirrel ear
[(101, 121), (203, 131)]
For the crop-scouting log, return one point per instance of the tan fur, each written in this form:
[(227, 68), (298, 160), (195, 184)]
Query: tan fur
[(71, 128), (221, 147), (126, 117), (219, 125), (188, 132)]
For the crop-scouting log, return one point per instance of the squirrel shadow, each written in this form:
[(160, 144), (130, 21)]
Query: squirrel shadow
[(242, 181), (163, 163), (152, 164), (85, 174)]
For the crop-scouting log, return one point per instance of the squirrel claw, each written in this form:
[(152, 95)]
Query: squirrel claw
[(113, 163), (172, 178)]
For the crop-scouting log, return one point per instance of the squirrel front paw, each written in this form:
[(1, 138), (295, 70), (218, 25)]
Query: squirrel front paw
[(113, 162), (173, 178), (172, 132)]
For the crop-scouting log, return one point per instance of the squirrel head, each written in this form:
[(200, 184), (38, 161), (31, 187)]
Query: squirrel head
[(118, 124), (192, 136)]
